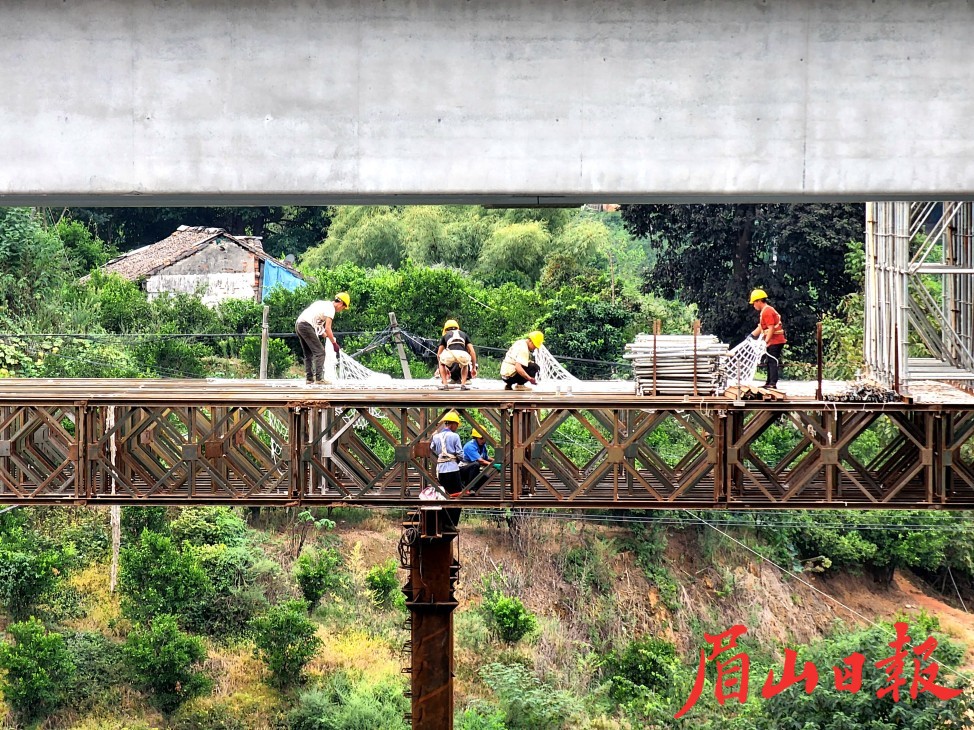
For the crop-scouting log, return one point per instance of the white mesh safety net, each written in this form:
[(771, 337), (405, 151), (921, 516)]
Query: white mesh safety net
[(550, 368), (356, 374), (744, 359)]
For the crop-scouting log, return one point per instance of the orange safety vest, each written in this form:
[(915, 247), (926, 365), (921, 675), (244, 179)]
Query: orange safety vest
[(770, 319)]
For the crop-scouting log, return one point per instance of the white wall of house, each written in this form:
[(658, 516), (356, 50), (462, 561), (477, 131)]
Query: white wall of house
[(222, 270)]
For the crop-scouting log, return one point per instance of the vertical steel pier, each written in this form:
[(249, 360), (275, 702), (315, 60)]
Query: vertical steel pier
[(426, 551)]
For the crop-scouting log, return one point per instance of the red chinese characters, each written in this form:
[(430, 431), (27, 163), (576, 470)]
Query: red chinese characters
[(733, 667)]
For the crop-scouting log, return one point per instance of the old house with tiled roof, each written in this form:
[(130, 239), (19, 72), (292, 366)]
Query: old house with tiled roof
[(205, 261)]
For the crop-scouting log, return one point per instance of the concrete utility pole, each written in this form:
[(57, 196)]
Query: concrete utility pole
[(264, 343), (427, 539), (397, 338)]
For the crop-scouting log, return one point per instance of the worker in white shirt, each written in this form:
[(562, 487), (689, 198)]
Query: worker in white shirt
[(313, 324)]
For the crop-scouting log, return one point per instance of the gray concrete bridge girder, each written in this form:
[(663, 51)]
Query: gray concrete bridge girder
[(321, 101)]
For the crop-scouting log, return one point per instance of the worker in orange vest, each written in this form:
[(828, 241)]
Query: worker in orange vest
[(769, 327)]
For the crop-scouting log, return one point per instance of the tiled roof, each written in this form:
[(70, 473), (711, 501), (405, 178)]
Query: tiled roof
[(185, 241)]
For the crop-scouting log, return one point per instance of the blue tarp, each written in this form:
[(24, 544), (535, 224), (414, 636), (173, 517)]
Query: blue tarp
[(275, 275)]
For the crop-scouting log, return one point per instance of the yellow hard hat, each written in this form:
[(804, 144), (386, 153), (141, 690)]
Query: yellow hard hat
[(343, 297), (451, 417), (536, 337), (451, 324), (476, 434), (758, 294)]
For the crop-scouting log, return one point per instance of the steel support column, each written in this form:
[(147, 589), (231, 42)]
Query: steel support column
[(426, 551)]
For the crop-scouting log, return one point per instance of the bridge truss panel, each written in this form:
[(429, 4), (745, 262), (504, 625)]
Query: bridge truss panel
[(635, 453)]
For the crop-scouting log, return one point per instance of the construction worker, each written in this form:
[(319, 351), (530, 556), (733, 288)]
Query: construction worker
[(448, 450), (770, 328), (518, 367), (456, 355), (475, 458), (312, 324)]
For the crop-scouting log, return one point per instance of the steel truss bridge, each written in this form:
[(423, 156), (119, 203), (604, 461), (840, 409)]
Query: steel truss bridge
[(257, 443), (244, 442)]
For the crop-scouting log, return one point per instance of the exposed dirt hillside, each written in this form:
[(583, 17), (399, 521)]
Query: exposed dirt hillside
[(717, 583)]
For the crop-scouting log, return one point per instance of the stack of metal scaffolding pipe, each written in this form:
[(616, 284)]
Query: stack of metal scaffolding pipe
[(674, 365)]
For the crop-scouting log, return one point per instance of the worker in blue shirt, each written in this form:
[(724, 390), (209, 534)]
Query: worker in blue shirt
[(475, 458)]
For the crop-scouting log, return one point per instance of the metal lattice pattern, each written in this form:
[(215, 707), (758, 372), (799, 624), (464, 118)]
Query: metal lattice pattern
[(572, 452), (216, 453), (38, 452)]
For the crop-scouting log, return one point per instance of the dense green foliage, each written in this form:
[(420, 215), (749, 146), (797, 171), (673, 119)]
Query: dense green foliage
[(166, 662), (209, 526), (527, 703), (343, 704), (157, 578), (318, 572), (285, 640), (508, 617), (383, 582), (38, 667), (714, 255), (28, 574)]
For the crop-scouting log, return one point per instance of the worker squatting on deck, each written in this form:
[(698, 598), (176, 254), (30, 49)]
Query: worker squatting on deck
[(770, 327), (320, 363), (456, 356), (519, 367)]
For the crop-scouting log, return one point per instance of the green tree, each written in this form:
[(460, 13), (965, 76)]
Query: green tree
[(38, 670), (361, 235), (713, 255), (830, 709), (33, 263), (514, 252), (209, 525), (382, 582), (85, 251), (285, 640), (592, 328), (166, 662), (157, 578), (28, 574), (317, 573)]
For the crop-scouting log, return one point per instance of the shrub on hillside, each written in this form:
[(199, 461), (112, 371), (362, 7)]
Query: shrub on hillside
[(209, 525), (233, 573), (508, 617), (38, 670), (171, 357), (527, 703), (122, 307), (383, 582), (344, 705), (285, 640), (319, 572), (279, 357), (98, 668), (166, 662), (646, 663), (156, 577), (28, 574)]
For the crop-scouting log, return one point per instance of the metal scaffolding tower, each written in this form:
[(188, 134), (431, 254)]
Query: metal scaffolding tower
[(919, 323)]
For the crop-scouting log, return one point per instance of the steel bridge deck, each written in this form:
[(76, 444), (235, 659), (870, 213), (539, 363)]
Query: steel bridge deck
[(280, 443)]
